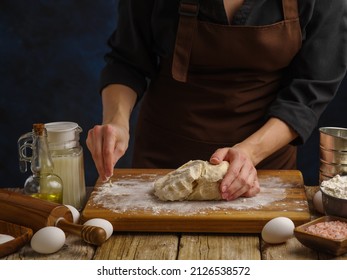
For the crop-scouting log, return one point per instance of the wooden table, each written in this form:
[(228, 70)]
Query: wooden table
[(181, 246)]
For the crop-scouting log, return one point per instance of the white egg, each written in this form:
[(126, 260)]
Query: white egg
[(98, 222), (5, 238), (318, 203), (75, 213), (278, 230), (48, 240)]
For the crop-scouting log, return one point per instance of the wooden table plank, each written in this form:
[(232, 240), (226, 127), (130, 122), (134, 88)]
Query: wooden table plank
[(290, 250), (139, 247), (74, 249), (219, 247)]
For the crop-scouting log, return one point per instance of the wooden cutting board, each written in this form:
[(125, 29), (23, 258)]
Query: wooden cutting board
[(127, 201)]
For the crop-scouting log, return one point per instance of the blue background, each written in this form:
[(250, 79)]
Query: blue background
[(51, 54)]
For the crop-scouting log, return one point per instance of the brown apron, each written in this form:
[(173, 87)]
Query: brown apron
[(215, 90)]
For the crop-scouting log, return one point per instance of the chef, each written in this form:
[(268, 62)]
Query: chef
[(243, 81)]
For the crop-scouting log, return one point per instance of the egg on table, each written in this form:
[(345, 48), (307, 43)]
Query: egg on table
[(48, 240), (278, 230), (317, 202), (75, 213), (5, 238), (105, 224)]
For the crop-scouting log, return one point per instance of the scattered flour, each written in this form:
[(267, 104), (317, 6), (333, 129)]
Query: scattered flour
[(336, 186), (135, 193)]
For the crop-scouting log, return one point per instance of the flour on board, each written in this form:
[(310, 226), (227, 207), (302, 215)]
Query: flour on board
[(136, 193)]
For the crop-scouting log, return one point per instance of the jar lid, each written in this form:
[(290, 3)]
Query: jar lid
[(60, 132)]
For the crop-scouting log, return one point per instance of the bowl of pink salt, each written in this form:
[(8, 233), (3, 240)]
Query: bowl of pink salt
[(327, 234)]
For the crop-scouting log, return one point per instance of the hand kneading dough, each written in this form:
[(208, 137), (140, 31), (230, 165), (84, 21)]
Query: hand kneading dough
[(195, 180)]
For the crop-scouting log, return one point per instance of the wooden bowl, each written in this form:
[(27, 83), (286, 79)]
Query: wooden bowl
[(21, 235), (335, 247)]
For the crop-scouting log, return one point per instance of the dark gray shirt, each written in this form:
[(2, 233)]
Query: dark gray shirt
[(146, 31)]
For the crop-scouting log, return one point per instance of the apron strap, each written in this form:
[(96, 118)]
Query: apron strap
[(188, 12), (290, 9)]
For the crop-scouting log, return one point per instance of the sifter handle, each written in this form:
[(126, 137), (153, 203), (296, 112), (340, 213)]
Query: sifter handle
[(90, 234)]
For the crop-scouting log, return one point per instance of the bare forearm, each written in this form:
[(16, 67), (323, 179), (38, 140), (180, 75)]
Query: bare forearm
[(108, 142), (118, 102), (272, 136)]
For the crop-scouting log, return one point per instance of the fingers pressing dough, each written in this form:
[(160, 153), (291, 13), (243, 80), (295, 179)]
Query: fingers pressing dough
[(195, 180)]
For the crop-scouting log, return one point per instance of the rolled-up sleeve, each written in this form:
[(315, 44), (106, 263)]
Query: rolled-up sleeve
[(131, 59), (316, 72)]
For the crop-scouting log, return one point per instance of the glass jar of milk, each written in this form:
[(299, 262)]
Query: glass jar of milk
[(67, 156)]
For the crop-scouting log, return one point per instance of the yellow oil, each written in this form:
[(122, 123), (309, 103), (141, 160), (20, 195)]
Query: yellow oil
[(52, 197)]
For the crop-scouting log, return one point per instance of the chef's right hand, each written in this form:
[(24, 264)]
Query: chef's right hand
[(241, 178), (107, 144)]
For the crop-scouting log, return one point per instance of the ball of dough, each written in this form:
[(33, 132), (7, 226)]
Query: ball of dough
[(195, 180)]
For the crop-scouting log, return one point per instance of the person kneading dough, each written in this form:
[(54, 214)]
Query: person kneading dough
[(195, 180)]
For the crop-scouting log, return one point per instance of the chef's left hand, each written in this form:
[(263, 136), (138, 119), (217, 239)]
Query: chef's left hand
[(241, 178)]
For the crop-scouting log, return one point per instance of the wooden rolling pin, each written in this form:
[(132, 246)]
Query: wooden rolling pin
[(36, 213)]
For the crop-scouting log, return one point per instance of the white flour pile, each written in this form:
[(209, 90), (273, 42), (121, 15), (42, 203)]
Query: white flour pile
[(336, 186), (136, 194)]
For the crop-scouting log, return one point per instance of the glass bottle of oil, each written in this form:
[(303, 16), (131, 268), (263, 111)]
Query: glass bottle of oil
[(43, 183)]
